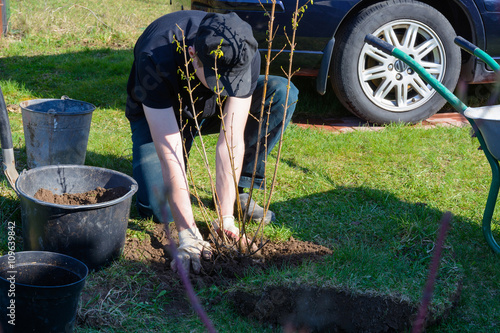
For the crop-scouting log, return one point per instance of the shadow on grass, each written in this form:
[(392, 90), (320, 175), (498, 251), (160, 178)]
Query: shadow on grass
[(382, 247), (97, 76), (347, 215)]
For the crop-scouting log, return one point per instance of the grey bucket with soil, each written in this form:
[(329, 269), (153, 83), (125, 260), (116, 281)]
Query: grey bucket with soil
[(56, 131), (93, 233), (40, 291)]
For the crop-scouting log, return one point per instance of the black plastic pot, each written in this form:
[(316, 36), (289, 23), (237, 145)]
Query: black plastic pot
[(39, 291), (95, 233)]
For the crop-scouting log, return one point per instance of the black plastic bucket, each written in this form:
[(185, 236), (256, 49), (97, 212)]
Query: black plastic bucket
[(39, 291), (95, 233)]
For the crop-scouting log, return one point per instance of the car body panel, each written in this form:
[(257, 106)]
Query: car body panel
[(491, 19), (322, 19), (310, 40), (318, 29)]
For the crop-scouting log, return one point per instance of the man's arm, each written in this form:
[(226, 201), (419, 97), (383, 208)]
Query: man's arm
[(168, 144), (231, 137)]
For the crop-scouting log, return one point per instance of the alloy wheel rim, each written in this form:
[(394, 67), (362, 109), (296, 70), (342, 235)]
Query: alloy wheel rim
[(387, 81)]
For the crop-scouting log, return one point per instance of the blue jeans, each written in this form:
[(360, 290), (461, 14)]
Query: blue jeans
[(146, 164)]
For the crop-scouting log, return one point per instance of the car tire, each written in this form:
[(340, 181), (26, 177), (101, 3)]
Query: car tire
[(380, 88)]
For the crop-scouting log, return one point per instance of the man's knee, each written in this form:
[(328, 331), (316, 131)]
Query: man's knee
[(278, 87)]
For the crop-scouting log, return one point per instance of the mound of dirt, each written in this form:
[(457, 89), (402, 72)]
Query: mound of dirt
[(225, 267), (150, 255)]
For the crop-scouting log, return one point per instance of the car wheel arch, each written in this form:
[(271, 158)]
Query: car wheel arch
[(362, 108), (473, 32), (476, 30)]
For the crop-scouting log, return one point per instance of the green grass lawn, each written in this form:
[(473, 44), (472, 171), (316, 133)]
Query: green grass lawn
[(374, 197)]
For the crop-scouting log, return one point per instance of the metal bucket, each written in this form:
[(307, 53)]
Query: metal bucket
[(40, 291), (56, 131), (487, 119), (94, 233)]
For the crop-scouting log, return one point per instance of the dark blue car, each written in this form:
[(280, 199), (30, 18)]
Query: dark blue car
[(376, 87)]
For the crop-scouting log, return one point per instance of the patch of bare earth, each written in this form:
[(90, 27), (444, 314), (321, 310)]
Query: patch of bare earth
[(291, 307)]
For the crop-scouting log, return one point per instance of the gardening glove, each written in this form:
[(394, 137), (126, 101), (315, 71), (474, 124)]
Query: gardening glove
[(191, 248), (233, 233)]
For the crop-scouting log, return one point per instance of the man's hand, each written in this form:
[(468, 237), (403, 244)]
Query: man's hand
[(233, 233), (191, 248)]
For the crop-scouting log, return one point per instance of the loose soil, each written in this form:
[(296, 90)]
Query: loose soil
[(292, 307), (98, 195)]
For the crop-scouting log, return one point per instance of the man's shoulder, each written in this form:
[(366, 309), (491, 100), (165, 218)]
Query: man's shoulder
[(185, 19), (168, 28)]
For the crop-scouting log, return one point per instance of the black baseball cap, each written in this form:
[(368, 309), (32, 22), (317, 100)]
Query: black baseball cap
[(238, 46)]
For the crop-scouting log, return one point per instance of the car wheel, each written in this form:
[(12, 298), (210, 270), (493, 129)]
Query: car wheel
[(380, 88)]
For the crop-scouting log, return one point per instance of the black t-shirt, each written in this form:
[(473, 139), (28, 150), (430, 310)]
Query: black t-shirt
[(155, 79)]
